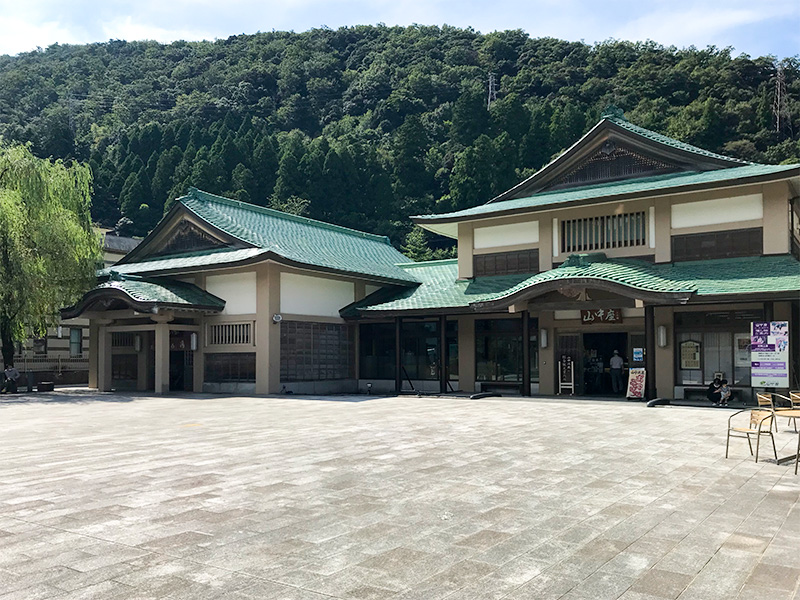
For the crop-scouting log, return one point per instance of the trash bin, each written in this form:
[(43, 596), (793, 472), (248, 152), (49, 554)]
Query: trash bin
[(30, 377)]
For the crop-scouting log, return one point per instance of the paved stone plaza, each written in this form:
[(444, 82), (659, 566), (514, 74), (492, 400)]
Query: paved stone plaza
[(116, 497)]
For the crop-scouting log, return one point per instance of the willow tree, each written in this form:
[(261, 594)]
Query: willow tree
[(48, 249)]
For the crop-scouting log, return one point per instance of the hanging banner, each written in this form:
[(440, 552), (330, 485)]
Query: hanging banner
[(769, 354), (636, 379)]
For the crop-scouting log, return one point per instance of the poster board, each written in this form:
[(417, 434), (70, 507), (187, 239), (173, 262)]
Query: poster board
[(769, 354), (690, 354), (636, 381), (741, 349)]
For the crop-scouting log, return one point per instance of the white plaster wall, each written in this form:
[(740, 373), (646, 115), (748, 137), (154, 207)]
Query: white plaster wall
[(368, 289), (314, 296), (237, 289), (714, 212), (498, 236)]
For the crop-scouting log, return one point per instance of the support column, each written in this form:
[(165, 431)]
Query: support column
[(199, 359), (443, 354), (94, 352), (526, 353), (103, 360), (547, 355), (162, 358), (268, 333), (398, 372), (141, 362), (665, 357), (466, 353), (650, 351)]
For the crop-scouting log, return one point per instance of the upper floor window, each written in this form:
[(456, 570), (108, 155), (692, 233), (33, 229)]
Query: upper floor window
[(506, 263), (718, 244), (604, 232)]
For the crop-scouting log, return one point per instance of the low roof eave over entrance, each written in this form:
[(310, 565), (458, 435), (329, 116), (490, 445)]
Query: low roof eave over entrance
[(144, 295)]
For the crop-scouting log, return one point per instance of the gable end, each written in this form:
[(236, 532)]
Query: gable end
[(610, 162)]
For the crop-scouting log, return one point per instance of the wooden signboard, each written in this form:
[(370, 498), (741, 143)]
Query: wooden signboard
[(566, 374), (601, 315), (690, 354)]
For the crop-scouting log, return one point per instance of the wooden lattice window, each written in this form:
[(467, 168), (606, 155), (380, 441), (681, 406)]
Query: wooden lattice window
[(316, 351), (225, 334), (718, 244), (605, 232), (506, 263), (122, 339)]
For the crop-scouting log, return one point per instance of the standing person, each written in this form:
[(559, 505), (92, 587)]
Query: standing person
[(10, 375), (615, 365), (714, 393)]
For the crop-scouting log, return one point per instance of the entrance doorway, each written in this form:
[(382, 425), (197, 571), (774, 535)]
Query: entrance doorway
[(181, 362), (598, 350)]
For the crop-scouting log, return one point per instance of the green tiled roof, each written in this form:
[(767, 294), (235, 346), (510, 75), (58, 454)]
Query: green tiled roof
[(299, 239), (148, 293), (733, 276), (175, 262), (439, 288), (667, 141), (164, 291), (603, 191)]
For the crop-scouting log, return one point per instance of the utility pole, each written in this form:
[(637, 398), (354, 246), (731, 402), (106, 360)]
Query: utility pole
[(779, 108), (492, 90)]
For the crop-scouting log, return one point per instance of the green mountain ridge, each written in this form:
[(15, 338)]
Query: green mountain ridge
[(364, 126)]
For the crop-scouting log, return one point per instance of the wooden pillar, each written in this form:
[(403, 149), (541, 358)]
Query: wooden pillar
[(526, 353), (443, 354), (398, 372), (94, 352), (141, 360), (162, 358), (199, 359), (103, 360), (650, 351)]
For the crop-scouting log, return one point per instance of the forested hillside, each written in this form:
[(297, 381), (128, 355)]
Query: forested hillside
[(364, 126)]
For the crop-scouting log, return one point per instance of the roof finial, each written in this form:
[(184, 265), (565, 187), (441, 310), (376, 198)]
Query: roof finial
[(614, 112)]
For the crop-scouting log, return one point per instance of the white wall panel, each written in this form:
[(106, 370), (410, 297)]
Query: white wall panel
[(314, 296), (715, 212), (497, 236), (237, 289)]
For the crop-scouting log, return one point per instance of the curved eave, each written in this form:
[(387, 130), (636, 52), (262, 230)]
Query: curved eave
[(538, 289), (263, 256), (96, 296), (432, 222)]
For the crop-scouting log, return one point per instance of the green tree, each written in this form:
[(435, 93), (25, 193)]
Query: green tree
[(416, 247), (48, 250)]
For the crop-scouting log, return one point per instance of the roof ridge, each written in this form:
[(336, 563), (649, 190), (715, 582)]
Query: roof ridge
[(425, 263), (201, 195), (660, 137)]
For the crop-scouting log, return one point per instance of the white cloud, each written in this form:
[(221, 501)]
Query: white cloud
[(126, 28), (20, 35), (701, 23)]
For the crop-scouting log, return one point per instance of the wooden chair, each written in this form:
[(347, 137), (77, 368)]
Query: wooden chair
[(792, 401), (761, 421), (767, 402)]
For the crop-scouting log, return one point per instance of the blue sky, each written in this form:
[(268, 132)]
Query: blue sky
[(754, 27)]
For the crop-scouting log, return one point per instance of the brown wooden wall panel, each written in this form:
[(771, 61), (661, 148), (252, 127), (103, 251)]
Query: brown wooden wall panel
[(506, 263), (718, 244)]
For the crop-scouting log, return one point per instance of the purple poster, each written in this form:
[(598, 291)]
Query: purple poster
[(769, 354)]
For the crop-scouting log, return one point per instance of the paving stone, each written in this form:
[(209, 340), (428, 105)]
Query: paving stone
[(311, 498)]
